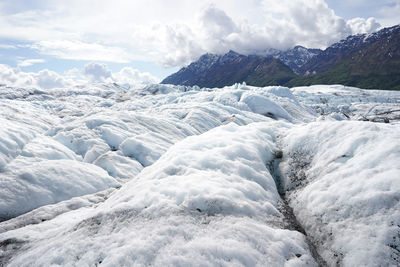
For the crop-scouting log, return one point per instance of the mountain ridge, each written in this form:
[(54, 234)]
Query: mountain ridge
[(341, 63), (370, 61), (217, 71)]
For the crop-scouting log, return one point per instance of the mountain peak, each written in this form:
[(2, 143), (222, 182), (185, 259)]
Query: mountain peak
[(230, 56), (299, 48), (232, 53)]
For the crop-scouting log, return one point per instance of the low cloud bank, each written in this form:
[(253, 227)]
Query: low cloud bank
[(92, 72)]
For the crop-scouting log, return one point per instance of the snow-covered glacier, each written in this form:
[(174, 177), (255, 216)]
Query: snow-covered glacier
[(165, 175)]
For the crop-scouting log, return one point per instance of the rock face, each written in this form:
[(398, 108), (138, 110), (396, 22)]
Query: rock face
[(366, 61)]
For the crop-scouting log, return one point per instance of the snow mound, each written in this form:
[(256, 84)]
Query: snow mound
[(20, 123), (264, 106), (118, 166), (343, 182), (241, 181), (49, 212), (28, 185), (209, 200)]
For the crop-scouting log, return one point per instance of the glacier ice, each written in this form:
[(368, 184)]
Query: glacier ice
[(348, 196), (174, 175)]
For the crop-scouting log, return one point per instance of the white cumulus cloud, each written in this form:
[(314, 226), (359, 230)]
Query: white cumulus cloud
[(92, 73), (45, 79), (179, 31), (280, 25), (360, 25), (48, 79), (129, 75), (97, 72), (15, 77)]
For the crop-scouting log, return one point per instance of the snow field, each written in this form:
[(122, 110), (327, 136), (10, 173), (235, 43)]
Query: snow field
[(209, 200), (337, 102), (190, 168), (107, 126)]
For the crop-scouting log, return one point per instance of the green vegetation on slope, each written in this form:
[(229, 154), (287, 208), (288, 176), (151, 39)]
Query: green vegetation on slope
[(375, 66), (274, 73)]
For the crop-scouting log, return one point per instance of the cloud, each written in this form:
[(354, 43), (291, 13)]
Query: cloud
[(30, 62), (7, 46), (78, 50), (217, 23), (97, 72), (76, 75), (48, 79), (132, 76), (179, 32), (390, 14), (286, 23), (360, 25), (179, 44), (45, 79), (15, 77), (92, 72)]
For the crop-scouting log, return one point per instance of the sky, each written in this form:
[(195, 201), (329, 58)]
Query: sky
[(58, 43)]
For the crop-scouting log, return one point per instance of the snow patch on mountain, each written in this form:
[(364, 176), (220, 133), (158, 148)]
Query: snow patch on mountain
[(295, 57)]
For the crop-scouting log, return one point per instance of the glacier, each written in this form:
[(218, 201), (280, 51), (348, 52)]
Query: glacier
[(163, 175)]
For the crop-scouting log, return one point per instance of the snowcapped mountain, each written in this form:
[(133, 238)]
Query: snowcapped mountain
[(218, 71), (165, 175), (368, 61)]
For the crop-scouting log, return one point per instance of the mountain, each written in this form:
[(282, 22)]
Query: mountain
[(218, 71), (366, 61), (212, 70), (370, 61), (353, 45)]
